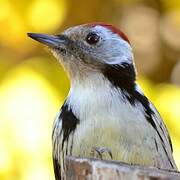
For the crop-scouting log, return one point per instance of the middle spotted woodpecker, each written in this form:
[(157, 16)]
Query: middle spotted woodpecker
[(105, 113)]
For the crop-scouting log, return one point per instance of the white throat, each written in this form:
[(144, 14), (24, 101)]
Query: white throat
[(98, 97)]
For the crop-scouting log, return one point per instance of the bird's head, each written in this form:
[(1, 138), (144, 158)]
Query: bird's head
[(91, 48)]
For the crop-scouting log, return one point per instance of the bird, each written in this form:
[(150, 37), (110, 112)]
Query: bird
[(106, 114)]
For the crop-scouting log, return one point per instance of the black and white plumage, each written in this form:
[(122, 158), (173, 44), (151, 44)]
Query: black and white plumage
[(105, 107)]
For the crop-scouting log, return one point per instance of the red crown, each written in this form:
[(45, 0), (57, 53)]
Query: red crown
[(111, 28)]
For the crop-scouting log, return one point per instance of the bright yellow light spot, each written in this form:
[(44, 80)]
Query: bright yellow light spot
[(28, 106), (38, 172), (4, 9), (168, 102), (171, 5), (45, 15), (5, 158), (17, 28), (147, 87), (176, 151), (12, 26)]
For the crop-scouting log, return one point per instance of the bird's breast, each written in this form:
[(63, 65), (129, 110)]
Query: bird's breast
[(107, 119)]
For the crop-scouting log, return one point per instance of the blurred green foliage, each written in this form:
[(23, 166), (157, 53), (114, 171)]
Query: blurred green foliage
[(33, 85)]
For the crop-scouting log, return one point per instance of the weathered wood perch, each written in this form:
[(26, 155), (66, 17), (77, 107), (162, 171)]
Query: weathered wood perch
[(94, 169)]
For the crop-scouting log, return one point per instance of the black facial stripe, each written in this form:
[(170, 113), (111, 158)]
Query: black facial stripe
[(122, 76)]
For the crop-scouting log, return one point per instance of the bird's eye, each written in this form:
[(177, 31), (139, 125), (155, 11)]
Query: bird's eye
[(92, 38)]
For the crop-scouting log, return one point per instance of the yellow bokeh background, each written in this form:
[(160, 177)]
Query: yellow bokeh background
[(33, 85)]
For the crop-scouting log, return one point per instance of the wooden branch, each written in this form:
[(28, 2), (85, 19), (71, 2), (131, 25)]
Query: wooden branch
[(94, 169)]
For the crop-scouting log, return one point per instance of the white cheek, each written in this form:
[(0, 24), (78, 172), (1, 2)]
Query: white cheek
[(119, 60), (119, 52), (115, 50)]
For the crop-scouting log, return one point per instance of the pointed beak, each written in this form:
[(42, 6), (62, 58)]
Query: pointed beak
[(52, 41)]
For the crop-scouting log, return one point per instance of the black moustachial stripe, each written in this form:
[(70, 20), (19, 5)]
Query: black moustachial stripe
[(123, 76)]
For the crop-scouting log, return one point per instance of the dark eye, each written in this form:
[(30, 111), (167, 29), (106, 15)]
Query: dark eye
[(92, 38)]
